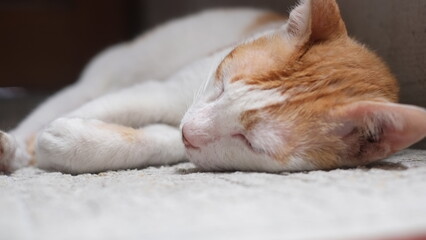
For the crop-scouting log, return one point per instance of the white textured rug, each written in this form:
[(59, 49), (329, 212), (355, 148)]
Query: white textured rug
[(178, 202)]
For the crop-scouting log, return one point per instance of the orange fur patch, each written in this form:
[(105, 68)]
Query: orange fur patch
[(127, 133), (31, 149), (326, 20), (255, 58), (249, 119)]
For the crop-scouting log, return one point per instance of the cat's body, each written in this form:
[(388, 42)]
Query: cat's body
[(270, 95)]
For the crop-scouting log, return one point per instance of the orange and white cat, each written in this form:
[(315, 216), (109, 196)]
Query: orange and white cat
[(271, 94)]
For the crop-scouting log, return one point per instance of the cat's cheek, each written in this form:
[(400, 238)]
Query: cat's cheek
[(270, 137)]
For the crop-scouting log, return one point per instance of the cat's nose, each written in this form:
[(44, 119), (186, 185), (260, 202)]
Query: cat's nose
[(194, 138)]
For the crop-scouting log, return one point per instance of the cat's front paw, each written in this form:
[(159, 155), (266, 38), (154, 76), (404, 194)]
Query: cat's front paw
[(7, 152), (59, 143)]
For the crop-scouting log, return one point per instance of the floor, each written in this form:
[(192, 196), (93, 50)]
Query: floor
[(382, 201)]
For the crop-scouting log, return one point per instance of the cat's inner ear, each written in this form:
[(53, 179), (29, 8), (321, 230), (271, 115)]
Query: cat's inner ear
[(375, 130), (315, 20)]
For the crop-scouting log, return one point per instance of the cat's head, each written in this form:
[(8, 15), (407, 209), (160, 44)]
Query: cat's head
[(303, 97)]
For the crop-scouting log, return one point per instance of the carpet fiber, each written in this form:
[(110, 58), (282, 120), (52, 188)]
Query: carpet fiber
[(385, 200)]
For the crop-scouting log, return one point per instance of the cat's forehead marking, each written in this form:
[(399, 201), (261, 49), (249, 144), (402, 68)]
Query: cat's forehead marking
[(254, 58), (341, 69)]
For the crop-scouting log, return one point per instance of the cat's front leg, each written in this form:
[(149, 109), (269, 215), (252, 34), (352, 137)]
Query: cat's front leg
[(76, 145), (120, 130)]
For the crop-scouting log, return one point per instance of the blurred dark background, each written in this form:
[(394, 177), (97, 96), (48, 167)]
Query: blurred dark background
[(45, 44)]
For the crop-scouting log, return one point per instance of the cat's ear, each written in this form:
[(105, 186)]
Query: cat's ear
[(379, 129), (315, 20)]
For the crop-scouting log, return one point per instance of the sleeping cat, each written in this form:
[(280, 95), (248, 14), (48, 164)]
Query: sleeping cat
[(238, 89)]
